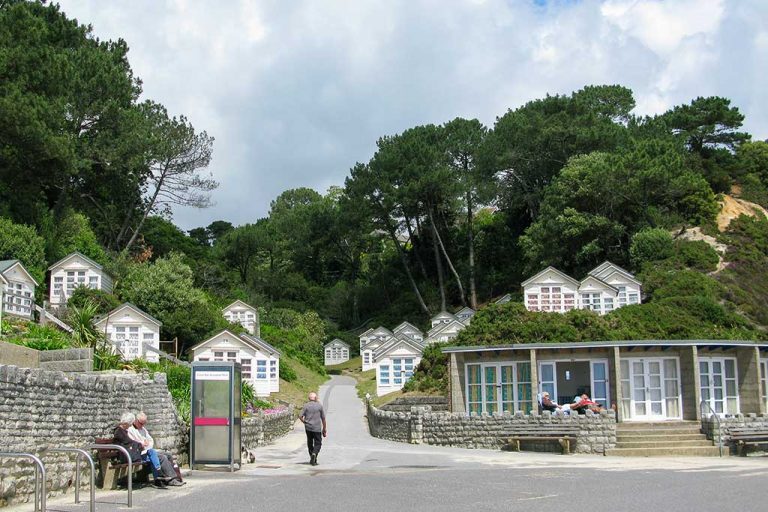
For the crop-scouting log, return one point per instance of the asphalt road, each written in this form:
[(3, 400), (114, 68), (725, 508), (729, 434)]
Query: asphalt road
[(361, 473)]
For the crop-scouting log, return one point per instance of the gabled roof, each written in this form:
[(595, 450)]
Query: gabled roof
[(376, 342), (599, 282), (223, 331), (405, 325), (440, 328), (397, 342), (382, 330), (3, 280), (241, 304), (259, 343), (563, 275), (443, 315), (72, 255), (363, 334), (507, 297), (466, 310), (601, 271), (625, 275), (336, 341), (132, 307), (7, 265)]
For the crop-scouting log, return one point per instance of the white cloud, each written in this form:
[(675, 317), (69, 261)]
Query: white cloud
[(296, 92)]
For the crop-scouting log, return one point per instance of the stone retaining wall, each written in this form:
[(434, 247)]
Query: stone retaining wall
[(42, 409), (261, 428), (404, 404), (596, 432), (69, 360), (709, 427)]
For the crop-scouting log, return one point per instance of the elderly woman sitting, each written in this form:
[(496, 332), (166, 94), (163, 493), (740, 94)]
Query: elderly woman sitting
[(137, 450)]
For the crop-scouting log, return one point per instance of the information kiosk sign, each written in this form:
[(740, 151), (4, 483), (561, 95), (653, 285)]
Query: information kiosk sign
[(216, 412)]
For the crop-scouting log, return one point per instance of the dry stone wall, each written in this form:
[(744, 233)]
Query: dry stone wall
[(260, 429), (42, 409), (67, 360), (595, 433)]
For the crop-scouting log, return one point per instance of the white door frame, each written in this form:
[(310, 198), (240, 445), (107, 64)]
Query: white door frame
[(497, 385), (591, 362), (646, 378), (709, 360)]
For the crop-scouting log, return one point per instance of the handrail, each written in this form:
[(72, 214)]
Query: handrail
[(80, 452), (130, 465), (39, 471), (717, 420)]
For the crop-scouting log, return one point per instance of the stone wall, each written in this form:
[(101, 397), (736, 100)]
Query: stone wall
[(42, 409), (70, 360), (404, 403), (596, 432), (709, 426), (261, 428)]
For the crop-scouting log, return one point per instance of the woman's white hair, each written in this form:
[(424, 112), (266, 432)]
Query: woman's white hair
[(127, 418)]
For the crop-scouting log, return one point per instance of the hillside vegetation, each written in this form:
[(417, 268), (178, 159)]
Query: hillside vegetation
[(440, 216)]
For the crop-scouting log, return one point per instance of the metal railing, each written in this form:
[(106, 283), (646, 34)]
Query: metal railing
[(717, 420), (80, 453), (40, 490), (130, 465)]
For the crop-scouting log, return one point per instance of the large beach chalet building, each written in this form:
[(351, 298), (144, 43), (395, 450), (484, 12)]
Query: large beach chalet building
[(336, 352), (72, 271), (395, 361), (371, 340), (647, 380), (605, 288)]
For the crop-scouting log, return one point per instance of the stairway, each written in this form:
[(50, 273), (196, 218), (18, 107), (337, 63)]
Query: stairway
[(678, 438)]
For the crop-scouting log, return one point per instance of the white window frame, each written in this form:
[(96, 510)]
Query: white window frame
[(551, 386), (713, 401), (484, 385)]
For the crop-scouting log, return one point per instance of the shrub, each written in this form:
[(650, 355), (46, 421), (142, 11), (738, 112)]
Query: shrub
[(103, 301), (287, 373), (22, 243), (651, 244), (697, 255)]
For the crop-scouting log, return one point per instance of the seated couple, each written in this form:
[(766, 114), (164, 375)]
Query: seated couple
[(580, 404), (132, 434)]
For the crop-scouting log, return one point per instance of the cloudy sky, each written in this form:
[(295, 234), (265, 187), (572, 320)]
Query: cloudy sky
[(296, 91)]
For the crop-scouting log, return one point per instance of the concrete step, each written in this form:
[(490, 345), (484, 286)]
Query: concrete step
[(664, 443), (683, 451), (645, 425), (658, 431), (624, 437)]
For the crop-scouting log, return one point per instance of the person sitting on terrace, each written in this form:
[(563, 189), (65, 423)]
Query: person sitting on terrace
[(582, 403), (548, 404)]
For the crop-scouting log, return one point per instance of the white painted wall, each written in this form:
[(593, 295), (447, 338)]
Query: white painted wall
[(264, 373), (75, 271), (130, 333), (19, 295), (386, 365)]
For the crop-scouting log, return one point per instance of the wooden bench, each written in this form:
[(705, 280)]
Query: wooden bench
[(746, 436), (112, 470), (564, 436)]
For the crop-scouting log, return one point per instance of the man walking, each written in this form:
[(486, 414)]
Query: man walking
[(313, 418)]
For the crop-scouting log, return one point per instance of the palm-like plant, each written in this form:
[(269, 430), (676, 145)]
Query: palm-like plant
[(84, 333)]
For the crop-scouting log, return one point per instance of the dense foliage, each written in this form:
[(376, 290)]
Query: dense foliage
[(440, 216)]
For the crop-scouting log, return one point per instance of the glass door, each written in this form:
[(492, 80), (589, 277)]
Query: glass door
[(652, 386), (600, 382), (507, 388), (547, 380), (491, 397), (717, 377)]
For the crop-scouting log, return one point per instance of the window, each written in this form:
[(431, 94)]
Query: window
[(149, 336), (328, 353), (203, 359), (119, 332), (366, 358), (569, 301), (633, 298), (218, 356), (245, 368), (608, 304), (273, 369), (232, 356), (591, 301), (499, 387), (261, 369), (384, 375), (133, 333), (93, 282), (622, 296), (58, 285), (533, 301), (718, 384)]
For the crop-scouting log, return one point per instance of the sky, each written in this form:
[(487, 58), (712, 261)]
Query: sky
[(296, 92)]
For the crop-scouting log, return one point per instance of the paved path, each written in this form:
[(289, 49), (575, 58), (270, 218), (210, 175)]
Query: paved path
[(358, 472)]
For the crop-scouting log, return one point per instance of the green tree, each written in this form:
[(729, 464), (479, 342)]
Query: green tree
[(20, 242), (650, 244)]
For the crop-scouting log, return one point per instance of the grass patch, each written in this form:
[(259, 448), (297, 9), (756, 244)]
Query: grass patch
[(296, 392)]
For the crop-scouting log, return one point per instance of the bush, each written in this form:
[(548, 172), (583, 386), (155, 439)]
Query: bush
[(431, 375), (697, 255), (651, 244), (20, 242), (38, 337), (287, 373), (103, 301)]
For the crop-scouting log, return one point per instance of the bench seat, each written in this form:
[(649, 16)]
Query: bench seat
[(743, 437), (112, 472), (566, 438)]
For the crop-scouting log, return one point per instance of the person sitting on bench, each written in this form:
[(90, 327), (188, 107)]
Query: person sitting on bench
[(138, 432), (135, 448)]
